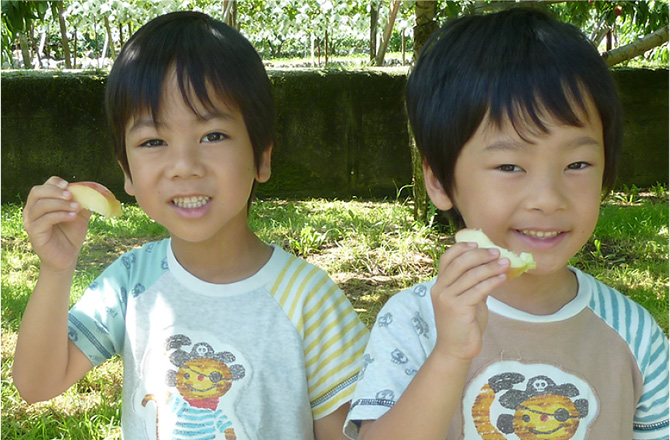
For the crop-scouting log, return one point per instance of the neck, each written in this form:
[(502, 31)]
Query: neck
[(228, 258), (542, 294)]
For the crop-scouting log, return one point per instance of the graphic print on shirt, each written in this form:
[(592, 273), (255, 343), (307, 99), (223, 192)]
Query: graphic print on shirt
[(511, 400), (196, 398)]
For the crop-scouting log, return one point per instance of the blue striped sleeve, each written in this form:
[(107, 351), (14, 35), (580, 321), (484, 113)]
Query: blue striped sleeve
[(649, 346)]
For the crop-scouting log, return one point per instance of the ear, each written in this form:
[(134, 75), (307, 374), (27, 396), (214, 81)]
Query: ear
[(264, 165), (435, 189), (128, 183)]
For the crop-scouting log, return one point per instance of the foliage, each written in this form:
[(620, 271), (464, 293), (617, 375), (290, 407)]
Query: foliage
[(17, 18), (626, 21), (286, 28)]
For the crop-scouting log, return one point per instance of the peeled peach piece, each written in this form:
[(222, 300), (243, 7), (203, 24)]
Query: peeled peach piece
[(520, 263), (95, 197)]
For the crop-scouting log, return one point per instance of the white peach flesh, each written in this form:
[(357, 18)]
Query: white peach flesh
[(95, 197), (519, 263)]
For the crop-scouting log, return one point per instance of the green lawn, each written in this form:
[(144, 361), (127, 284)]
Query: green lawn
[(372, 249)]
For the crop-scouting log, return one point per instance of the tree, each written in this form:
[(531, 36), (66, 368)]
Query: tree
[(424, 28), (393, 12), (17, 18), (63, 33), (639, 47), (374, 19)]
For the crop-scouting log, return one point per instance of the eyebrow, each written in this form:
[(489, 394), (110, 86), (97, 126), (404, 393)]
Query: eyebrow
[(508, 145), (203, 117)]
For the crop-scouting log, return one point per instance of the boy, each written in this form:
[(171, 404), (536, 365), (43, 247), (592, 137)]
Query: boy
[(518, 123), (222, 335)]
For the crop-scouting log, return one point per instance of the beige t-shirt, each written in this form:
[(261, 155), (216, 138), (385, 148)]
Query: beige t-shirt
[(597, 369)]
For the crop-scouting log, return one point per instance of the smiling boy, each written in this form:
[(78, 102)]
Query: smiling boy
[(517, 120), (221, 335)]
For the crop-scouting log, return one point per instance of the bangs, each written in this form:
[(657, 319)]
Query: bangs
[(530, 113), (199, 69)]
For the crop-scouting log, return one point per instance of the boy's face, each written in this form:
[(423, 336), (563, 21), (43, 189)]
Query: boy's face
[(541, 196), (193, 174)]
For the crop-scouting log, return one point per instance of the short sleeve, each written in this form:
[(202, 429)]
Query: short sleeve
[(96, 322), (402, 338), (652, 417), (334, 339)]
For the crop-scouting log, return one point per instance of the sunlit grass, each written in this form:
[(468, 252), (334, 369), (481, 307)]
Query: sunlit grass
[(372, 249)]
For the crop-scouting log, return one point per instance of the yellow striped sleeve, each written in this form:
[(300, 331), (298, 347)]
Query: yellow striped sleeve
[(333, 336)]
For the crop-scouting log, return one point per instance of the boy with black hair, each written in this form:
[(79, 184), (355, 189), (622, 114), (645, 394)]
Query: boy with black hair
[(518, 123), (221, 334)]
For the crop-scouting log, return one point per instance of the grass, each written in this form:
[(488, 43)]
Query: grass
[(372, 249)]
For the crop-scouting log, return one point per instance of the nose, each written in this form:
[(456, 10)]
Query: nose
[(185, 161), (546, 193)]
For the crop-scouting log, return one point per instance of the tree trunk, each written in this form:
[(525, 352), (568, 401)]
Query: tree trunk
[(374, 18), (43, 40), (25, 50), (108, 28), (325, 47), (639, 47), (63, 36), (74, 60), (33, 45), (395, 5), (230, 13), (424, 28)]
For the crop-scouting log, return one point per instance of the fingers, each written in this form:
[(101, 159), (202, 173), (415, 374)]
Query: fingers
[(48, 205), (464, 268)]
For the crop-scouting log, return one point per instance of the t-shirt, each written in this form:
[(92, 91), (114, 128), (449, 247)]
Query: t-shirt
[(259, 358), (596, 369)]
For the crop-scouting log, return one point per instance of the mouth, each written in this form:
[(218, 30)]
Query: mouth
[(199, 390), (536, 432), (192, 202), (542, 235)]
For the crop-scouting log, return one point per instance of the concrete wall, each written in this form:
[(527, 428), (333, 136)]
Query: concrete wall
[(340, 134)]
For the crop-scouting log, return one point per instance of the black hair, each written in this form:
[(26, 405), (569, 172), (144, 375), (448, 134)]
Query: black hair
[(205, 52), (517, 65)]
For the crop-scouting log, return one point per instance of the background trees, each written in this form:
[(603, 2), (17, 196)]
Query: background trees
[(89, 33)]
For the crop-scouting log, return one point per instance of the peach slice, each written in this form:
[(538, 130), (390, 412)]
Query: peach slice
[(95, 197), (520, 263)]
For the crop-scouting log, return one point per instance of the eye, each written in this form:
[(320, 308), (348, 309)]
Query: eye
[(508, 168), (187, 376), (561, 415), (215, 377), (214, 137), (152, 143), (578, 166)]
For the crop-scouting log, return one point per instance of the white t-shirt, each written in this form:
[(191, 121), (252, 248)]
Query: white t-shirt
[(260, 358), (596, 369)]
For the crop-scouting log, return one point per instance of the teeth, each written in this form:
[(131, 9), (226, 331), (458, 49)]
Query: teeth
[(190, 202), (540, 234)]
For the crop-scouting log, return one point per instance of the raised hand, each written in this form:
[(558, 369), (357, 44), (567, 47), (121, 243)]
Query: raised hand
[(56, 225), (467, 276)]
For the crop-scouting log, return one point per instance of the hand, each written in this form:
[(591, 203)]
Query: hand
[(467, 276), (56, 225)]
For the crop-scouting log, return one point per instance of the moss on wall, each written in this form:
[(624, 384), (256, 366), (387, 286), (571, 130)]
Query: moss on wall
[(644, 98), (54, 124), (339, 134)]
